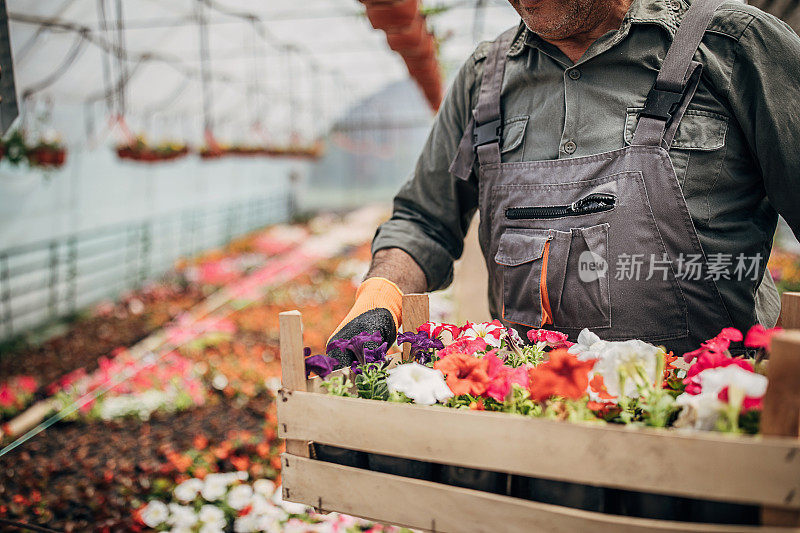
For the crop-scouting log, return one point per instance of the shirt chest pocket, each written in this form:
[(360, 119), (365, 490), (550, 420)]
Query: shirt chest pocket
[(512, 146), (699, 140)]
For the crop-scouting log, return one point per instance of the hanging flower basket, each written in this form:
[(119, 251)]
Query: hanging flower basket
[(139, 150), (47, 156), (392, 17)]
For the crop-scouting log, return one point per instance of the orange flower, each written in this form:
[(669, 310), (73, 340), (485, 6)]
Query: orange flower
[(465, 374), (200, 442), (562, 375), (240, 462), (598, 385)]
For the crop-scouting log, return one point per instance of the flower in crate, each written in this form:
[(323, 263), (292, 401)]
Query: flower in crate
[(629, 366), (503, 377), (760, 337), (464, 346), (435, 329), (466, 374), (423, 346), (722, 390), (154, 513), (490, 332), (549, 338), (719, 344), (321, 365), (424, 385), (562, 375)]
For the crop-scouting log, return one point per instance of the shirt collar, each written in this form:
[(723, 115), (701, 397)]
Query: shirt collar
[(664, 13)]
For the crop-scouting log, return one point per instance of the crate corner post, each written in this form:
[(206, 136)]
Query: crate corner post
[(781, 411), (416, 311), (790, 310), (293, 373)]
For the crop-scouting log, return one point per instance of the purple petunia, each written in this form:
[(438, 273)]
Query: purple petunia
[(321, 365), (371, 355), (357, 345), (421, 345)]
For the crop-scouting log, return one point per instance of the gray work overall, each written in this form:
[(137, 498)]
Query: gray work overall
[(553, 231)]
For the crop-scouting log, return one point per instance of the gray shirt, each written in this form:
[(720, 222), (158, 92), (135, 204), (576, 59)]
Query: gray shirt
[(735, 152)]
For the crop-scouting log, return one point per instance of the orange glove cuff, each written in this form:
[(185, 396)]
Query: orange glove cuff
[(372, 294)]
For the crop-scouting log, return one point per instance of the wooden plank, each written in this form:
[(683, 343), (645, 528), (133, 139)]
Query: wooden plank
[(416, 311), (435, 507), (790, 310), (746, 469), (781, 412), (293, 367)]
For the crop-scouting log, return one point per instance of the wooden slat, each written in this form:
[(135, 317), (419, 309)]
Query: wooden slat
[(293, 367), (441, 508), (790, 310), (781, 413), (702, 465), (416, 311)]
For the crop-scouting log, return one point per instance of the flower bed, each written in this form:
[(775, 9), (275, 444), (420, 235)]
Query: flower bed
[(99, 469)]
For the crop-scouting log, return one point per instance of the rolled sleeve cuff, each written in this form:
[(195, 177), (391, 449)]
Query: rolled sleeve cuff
[(431, 257)]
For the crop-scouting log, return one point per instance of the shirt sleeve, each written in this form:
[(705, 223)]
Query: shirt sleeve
[(433, 209), (764, 92)]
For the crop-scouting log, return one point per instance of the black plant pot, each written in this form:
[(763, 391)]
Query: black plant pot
[(562, 493), (399, 466), (644, 505), (723, 513), (340, 456), (471, 478)]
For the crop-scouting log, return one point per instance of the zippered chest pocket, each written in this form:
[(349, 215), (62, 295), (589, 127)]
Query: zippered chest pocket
[(593, 203)]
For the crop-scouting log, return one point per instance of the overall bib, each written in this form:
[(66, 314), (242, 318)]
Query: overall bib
[(555, 233)]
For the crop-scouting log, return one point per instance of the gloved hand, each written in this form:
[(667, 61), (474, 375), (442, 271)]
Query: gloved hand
[(378, 307)]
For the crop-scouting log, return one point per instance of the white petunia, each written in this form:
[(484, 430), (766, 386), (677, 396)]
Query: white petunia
[(215, 486), (268, 524), (265, 487), (699, 411), (241, 475), (246, 524), (181, 515), (155, 513), (187, 491), (212, 528), (239, 497), (424, 385), (180, 529), (713, 380), (630, 361), (212, 515), (487, 331)]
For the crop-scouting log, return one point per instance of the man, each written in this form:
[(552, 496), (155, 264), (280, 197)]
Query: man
[(629, 159)]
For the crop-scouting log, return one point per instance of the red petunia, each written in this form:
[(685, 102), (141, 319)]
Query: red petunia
[(464, 346), (554, 339), (760, 337), (464, 373), (718, 344), (562, 375)]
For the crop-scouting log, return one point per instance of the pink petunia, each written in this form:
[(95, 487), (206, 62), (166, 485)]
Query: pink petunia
[(503, 377), (718, 344)]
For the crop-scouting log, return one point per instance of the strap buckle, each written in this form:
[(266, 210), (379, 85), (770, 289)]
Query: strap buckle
[(661, 104), (487, 133)]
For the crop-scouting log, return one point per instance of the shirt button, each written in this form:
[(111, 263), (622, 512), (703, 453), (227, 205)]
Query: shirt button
[(570, 147), (574, 74)]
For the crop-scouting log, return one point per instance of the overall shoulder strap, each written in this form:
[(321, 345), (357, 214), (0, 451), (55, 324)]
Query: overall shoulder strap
[(484, 129), (677, 80)]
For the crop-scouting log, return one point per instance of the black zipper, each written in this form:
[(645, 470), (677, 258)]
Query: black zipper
[(594, 203)]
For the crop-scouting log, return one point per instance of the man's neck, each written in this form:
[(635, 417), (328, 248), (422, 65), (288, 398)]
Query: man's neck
[(576, 45)]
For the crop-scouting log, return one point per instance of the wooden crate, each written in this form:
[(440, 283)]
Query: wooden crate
[(761, 470)]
